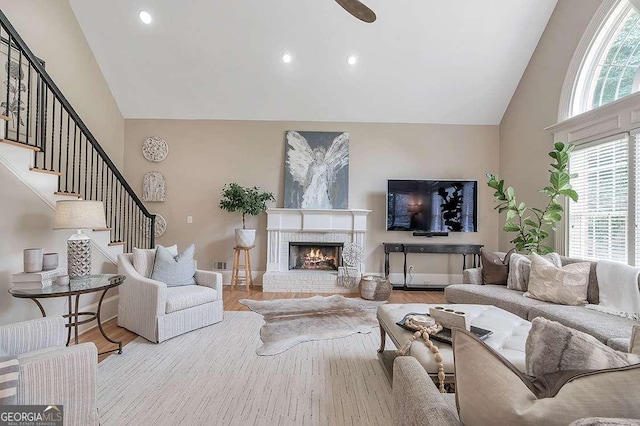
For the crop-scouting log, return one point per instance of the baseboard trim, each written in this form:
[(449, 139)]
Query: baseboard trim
[(109, 311)]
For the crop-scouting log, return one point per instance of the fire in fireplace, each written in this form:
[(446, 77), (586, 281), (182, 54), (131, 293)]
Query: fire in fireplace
[(315, 256)]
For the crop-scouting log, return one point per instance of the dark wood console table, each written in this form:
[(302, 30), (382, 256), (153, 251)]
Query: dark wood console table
[(463, 249)]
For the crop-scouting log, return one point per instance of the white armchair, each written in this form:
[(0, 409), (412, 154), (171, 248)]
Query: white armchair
[(156, 312), (49, 372)]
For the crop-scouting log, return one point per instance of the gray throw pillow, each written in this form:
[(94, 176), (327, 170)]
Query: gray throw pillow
[(174, 270), (553, 347), (520, 268)]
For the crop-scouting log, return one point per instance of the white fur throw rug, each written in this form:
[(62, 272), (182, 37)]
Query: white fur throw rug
[(292, 321)]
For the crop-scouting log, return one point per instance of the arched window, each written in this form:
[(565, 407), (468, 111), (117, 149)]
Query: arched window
[(605, 222), (610, 67)]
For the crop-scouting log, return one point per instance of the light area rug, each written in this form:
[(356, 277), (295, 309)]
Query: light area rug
[(212, 376), (292, 321)]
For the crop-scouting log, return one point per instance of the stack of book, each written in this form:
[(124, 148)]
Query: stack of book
[(36, 280)]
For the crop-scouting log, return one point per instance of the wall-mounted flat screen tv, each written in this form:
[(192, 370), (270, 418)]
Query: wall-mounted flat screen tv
[(432, 205)]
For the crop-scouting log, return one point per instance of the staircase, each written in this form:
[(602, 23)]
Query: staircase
[(46, 145)]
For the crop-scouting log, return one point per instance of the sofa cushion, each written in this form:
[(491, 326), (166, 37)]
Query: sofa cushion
[(598, 324), (188, 296), (489, 390), (495, 268), (566, 285), (552, 347), (174, 270), (497, 295), (593, 293), (619, 344)]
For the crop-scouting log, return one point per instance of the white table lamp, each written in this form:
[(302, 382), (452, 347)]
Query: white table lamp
[(79, 214)]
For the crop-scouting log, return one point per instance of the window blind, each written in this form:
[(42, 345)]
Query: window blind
[(598, 221)]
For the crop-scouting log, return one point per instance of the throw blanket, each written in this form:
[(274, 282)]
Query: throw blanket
[(619, 292)]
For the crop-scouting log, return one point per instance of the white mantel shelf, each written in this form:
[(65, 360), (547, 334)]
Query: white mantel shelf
[(299, 220), (287, 225)]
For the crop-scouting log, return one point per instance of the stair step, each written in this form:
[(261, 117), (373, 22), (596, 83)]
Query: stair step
[(4, 117), (101, 229), (21, 145), (49, 172), (118, 243), (68, 194)]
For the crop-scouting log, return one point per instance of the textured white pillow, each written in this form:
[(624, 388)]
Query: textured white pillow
[(143, 259), (566, 285)]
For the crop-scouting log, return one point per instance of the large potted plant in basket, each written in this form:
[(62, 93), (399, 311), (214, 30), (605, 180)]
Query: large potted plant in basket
[(248, 201)]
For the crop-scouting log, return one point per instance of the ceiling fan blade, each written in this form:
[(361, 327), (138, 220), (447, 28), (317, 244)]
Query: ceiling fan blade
[(358, 9)]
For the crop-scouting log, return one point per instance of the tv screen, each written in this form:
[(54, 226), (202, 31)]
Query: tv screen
[(432, 205)]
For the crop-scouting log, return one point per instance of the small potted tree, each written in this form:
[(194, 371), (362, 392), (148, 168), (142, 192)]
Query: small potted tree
[(248, 201)]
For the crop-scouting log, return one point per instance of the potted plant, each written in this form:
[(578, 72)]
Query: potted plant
[(531, 223), (248, 201)]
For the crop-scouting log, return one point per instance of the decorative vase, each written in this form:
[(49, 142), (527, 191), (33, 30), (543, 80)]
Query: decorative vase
[(245, 237), (32, 258), (49, 261), (368, 287)]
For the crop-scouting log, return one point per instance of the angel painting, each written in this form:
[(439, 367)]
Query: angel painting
[(317, 172)]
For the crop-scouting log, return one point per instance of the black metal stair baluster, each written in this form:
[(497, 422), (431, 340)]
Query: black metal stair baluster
[(7, 105), (44, 128), (18, 88), (73, 161), (66, 160), (38, 121), (53, 132), (91, 178), (86, 165), (122, 222), (28, 96), (113, 216), (60, 147)]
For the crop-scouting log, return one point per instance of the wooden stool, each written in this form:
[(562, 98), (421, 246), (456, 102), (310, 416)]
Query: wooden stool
[(237, 267)]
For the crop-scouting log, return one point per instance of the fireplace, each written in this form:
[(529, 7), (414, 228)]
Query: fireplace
[(310, 227), (315, 256)]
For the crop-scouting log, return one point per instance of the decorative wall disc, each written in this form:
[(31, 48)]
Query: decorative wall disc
[(155, 149), (161, 225)]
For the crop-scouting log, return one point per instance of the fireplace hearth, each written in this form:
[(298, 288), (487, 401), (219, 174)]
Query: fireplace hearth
[(315, 256)]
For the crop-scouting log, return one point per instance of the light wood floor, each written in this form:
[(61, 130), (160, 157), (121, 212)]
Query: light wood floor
[(231, 303)]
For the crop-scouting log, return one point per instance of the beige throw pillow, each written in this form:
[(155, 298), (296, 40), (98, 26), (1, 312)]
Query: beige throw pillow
[(563, 285), (143, 259), (520, 268), (490, 390)]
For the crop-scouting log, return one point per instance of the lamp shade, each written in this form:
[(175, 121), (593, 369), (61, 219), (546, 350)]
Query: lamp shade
[(79, 214)]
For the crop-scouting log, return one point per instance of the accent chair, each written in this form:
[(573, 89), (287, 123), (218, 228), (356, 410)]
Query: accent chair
[(158, 312)]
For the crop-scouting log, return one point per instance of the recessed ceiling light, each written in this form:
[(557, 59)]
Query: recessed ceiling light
[(145, 17), (352, 59), (287, 57)]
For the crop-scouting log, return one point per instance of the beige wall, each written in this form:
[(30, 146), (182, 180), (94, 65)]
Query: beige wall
[(524, 143), (51, 31), (204, 155)]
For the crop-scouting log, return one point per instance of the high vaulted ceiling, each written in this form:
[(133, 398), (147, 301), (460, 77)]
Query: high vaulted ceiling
[(421, 61)]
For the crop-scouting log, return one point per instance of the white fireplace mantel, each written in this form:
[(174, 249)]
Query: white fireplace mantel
[(297, 220), (290, 225)]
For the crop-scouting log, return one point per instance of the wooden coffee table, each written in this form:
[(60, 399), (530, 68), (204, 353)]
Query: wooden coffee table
[(508, 338)]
